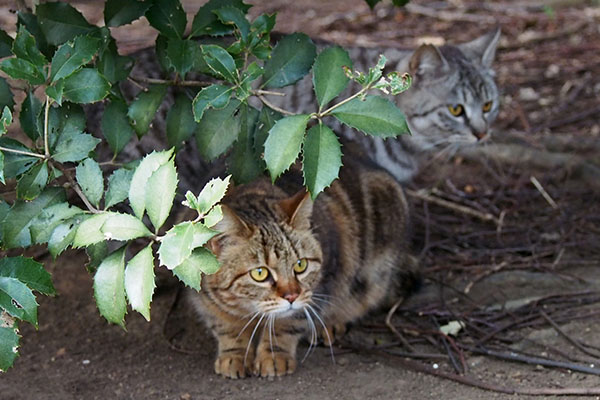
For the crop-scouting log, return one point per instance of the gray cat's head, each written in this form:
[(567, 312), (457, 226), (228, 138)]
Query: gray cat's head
[(453, 99)]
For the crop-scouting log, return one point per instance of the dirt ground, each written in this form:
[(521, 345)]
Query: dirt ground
[(548, 67)]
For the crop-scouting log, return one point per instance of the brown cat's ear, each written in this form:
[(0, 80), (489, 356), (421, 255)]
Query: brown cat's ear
[(298, 209), (427, 61), (230, 225)]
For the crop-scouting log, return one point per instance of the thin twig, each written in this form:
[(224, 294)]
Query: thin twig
[(171, 82), (46, 112), (545, 194), (273, 106), (388, 322), (76, 188), (268, 92), (25, 153), (567, 337)]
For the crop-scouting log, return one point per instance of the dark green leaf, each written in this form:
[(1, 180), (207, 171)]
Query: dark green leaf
[(16, 164), (121, 12), (109, 288), (17, 68), (161, 52), (322, 159), (73, 55), (206, 22), (142, 110), (28, 271), (372, 3), (24, 47), (30, 22), (96, 253), (45, 223), (373, 115), (33, 182), (16, 224), (180, 121), (6, 43), (18, 300), (291, 59), (182, 54), (74, 146), (112, 65), (70, 117), (234, 16), (118, 186), (89, 178), (160, 192), (143, 172), (139, 281), (329, 78), (168, 17), (213, 96), (115, 126), (6, 96), (266, 120), (86, 86), (9, 343), (400, 3), (264, 23), (55, 92), (30, 116), (61, 22), (1, 181), (220, 62), (283, 144), (244, 164), (217, 130)]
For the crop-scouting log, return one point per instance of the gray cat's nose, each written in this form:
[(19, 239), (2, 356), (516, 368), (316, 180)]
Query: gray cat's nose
[(480, 135)]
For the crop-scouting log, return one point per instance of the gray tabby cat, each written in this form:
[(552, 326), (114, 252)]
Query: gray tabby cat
[(452, 102)]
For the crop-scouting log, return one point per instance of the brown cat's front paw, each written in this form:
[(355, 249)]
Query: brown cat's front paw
[(269, 365), (230, 366)]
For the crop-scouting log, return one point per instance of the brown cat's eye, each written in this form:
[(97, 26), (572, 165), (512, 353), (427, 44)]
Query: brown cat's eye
[(259, 274), (456, 110), (300, 265), (487, 106)]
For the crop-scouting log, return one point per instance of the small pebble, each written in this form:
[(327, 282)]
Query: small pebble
[(85, 362)]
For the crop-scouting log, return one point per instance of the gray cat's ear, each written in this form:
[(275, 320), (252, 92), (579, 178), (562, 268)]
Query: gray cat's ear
[(427, 61), (298, 209), (482, 49)]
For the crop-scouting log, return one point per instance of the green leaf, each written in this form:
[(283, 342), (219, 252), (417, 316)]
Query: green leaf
[(211, 194), (115, 126), (109, 288), (139, 281), (160, 192), (180, 121), (329, 78), (5, 120), (217, 130), (168, 17), (191, 269), (244, 164), (118, 186), (55, 91), (18, 300), (17, 68), (176, 245), (89, 231), (220, 62), (139, 181), (96, 253), (112, 65), (69, 119), (86, 86), (6, 43), (6, 96), (374, 115), (62, 236), (214, 216), (74, 146), (1, 181), (31, 22), (16, 164), (202, 234), (28, 271), (206, 22), (213, 96), (142, 110), (89, 178), (291, 59), (73, 55), (283, 144), (45, 223), (322, 159), (160, 48), (123, 227), (33, 182), (234, 16), (182, 54), (122, 12), (61, 22), (9, 343), (16, 224), (29, 116), (24, 47), (266, 121)]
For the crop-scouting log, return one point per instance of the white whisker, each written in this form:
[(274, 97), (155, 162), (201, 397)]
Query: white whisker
[(252, 336), (247, 323), (324, 328), (313, 333)]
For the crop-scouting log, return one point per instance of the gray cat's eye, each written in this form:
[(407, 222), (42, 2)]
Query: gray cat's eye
[(456, 110), (487, 107)]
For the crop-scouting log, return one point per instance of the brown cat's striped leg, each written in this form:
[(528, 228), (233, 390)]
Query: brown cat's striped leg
[(276, 351), (236, 352)]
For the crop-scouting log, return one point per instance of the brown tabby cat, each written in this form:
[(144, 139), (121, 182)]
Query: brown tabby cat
[(290, 265)]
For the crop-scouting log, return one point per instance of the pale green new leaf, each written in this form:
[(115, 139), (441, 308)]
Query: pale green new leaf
[(90, 230), (18, 300), (143, 172), (123, 227), (139, 281), (33, 182), (322, 159), (291, 59), (63, 235), (28, 271), (109, 288), (176, 245), (45, 223), (212, 193), (213, 217), (202, 234), (329, 78), (160, 192), (118, 187), (283, 144), (89, 177), (73, 55), (190, 271)]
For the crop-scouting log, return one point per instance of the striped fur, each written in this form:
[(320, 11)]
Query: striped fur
[(354, 239)]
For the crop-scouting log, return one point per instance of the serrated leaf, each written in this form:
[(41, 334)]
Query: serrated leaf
[(70, 117), (322, 159), (182, 54), (139, 281), (142, 110), (329, 78), (176, 245), (375, 116), (160, 192), (45, 223), (168, 17), (234, 16), (16, 164), (18, 300), (206, 22), (244, 164), (180, 121), (115, 126), (122, 12), (5, 120), (9, 343), (28, 271), (17, 222), (73, 55), (202, 234), (212, 193), (220, 62), (217, 130), (86, 86), (96, 253), (190, 270), (213, 96), (30, 22), (18, 68), (123, 227), (283, 144), (90, 230), (109, 288), (290, 60), (24, 47), (266, 121), (118, 187), (61, 22), (112, 65), (74, 146), (89, 177), (62, 236), (143, 172), (55, 92), (6, 96), (213, 217), (33, 182), (29, 116)]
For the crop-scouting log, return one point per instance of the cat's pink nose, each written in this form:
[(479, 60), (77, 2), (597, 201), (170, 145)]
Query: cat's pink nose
[(290, 297)]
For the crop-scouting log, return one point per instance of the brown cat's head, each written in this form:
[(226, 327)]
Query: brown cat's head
[(270, 259)]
